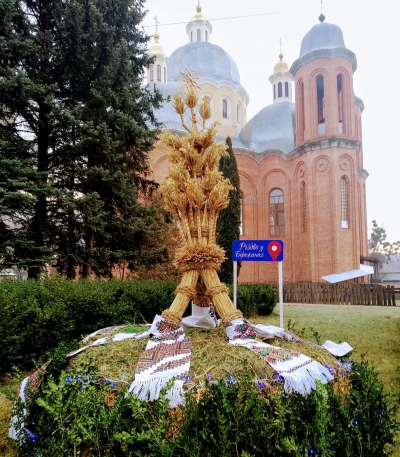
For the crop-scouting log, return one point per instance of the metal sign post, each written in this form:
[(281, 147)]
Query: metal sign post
[(259, 251)]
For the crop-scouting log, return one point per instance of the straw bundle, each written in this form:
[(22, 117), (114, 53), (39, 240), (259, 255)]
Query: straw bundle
[(195, 192)]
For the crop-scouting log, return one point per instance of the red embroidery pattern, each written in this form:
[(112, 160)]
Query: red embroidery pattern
[(168, 336), (273, 355), (150, 357), (172, 364), (244, 331), (166, 326)]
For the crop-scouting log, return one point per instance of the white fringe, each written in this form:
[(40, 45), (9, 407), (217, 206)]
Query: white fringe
[(303, 379), (150, 389)]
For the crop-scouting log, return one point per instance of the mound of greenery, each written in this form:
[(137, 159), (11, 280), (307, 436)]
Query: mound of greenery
[(235, 406)]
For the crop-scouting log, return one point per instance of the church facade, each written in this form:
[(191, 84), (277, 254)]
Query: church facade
[(300, 159)]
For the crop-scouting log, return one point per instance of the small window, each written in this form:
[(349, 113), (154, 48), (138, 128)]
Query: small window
[(158, 72), (274, 92), (340, 101), (300, 98), (151, 72), (279, 90), (344, 200), (276, 213), (165, 74), (303, 206), (225, 108), (286, 89), (239, 113), (198, 35), (191, 37), (320, 104), (206, 33)]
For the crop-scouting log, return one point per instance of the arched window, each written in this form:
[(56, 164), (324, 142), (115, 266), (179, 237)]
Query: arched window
[(301, 111), (344, 201), (165, 74), (279, 90), (274, 92), (206, 35), (158, 72), (340, 101), (191, 37), (303, 206), (320, 104), (225, 108), (151, 72), (239, 113), (286, 89), (198, 35), (276, 213), (241, 214)]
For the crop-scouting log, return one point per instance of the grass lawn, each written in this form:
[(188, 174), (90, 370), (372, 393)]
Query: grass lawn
[(372, 331)]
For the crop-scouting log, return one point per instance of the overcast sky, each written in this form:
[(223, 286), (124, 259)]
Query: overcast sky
[(370, 29)]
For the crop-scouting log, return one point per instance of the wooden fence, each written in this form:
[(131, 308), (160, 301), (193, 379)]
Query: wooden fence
[(340, 294)]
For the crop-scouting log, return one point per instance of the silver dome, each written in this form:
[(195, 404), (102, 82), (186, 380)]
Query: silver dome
[(322, 36), (207, 59), (272, 128)]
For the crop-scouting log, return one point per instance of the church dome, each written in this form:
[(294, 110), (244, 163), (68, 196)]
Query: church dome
[(156, 47), (322, 36), (281, 66), (206, 59), (272, 128)]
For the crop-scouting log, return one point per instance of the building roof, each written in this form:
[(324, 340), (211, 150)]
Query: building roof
[(322, 36), (207, 59), (272, 128)]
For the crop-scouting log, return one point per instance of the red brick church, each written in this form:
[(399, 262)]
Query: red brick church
[(300, 162)]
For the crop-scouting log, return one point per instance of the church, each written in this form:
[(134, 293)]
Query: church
[(300, 159)]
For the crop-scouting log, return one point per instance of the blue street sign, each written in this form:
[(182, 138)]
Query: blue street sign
[(257, 250)]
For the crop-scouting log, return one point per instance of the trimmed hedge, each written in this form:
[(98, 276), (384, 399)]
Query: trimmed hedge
[(36, 316)]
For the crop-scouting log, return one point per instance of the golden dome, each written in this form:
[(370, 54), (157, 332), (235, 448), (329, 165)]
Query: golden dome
[(199, 15), (156, 47), (281, 66)]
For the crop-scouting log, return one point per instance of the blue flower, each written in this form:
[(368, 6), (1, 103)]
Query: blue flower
[(355, 422), (81, 387), (68, 380), (113, 384), (31, 436), (88, 377), (79, 378), (312, 451), (330, 369), (260, 385), (209, 377), (381, 413), (107, 381), (278, 377)]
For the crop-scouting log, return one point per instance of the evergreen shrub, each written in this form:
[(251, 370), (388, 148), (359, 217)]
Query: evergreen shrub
[(36, 316), (72, 414)]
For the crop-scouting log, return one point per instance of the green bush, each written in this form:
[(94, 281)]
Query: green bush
[(75, 415), (36, 316)]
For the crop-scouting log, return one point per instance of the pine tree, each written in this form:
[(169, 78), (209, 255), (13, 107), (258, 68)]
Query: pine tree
[(74, 136), (229, 219)]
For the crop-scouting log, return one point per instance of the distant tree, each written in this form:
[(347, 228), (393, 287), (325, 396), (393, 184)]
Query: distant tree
[(379, 247), (74, 136), (229, 219)]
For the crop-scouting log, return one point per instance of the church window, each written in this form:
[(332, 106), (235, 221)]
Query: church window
[(165, 74), (239, 113), (198, 35), (320, 105), (340, 101), (286, 89), (274, 92), (241, 214), (151, 72), (303, 206), (158, 72), (276, 213), (279, 90), (206, 33), (225, 108), (344, 200), (300, 95), (191, 37)]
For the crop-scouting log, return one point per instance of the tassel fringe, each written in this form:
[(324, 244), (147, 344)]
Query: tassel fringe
[(302, 380), (150, 390)]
